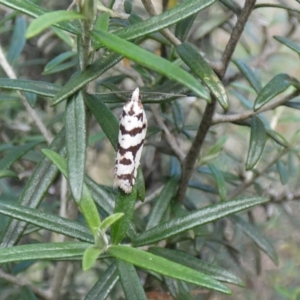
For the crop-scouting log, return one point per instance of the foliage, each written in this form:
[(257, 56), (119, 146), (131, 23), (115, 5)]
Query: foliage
[(198, 175)]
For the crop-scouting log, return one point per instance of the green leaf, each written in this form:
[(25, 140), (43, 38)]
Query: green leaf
[(48, 251), (162, 202), (178, 115), (8, 173), (278, 138), (220, 181), (87, 204), (165, 267), (15, 153), (34, 191), (274, 87), (289, 43), (55, 62), (90, 256), (130, 281), (76, 143), (17, 40), (283, 172), (33, 10), (140, 183), (37, 87), (202, 216), (253, 233), (124, 204), (51, 18), (203, 70), (150, 60), (91, 72), (196, 264), (104, 285), (249, 75), (257, 142), (105, 118), (165, 19), (46, 221), (110, 220)]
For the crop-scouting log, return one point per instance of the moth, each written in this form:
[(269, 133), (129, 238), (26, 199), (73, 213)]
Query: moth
[(132, 133)]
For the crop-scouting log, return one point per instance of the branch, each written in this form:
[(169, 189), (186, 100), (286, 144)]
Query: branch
[(236, 34), (165, 32), (22, 282), (11, 74), (218, 118)]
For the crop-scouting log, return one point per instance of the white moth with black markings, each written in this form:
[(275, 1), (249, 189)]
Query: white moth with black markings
[(132, 133)]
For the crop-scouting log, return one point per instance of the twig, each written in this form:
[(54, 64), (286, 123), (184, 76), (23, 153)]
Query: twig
[(165, 32), (169, 137), (22, 282), (11, 74), (236, 34), (190, 160), (218, 118)]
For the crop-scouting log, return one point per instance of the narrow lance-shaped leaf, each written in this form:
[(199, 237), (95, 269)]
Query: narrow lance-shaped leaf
[(17, 40), (283, 172), (151, 61), (165, 267), (105, 118), (58, 60), (289, 43), (258, 138), (192, 262), (203, 70), (130, 281), (220, 181), (34, 191), (76, 143), (104, 285), (37, 87), (253, 233), (48, 251), (249, 75), (46, 20), (46, 221), (273, 88), (87, 204), (194, 219)]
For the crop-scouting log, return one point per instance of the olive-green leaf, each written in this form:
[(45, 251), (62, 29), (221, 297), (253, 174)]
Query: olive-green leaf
[(130, 281), (162, 202), (57, 61), (249, 75), (51, 18), (33, 10), (46, 221), (15, 153), (167, 18), (105, 118), (91, 72), (76, 143), (203, 70), (90, 256), (124, 204), (17, 40), (104, 285), (34, 191), (253, 233), (220, 181), (283, 172), (258, 138), (150, 60), (48, 251), (36, 87), (192, 262), (165, 267), (275, 86), (289, 43), (194, 219)]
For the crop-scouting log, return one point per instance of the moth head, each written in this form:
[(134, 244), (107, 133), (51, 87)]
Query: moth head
[(136, 95)]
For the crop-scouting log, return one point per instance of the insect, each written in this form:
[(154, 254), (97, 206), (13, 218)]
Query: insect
[(132, 133)]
